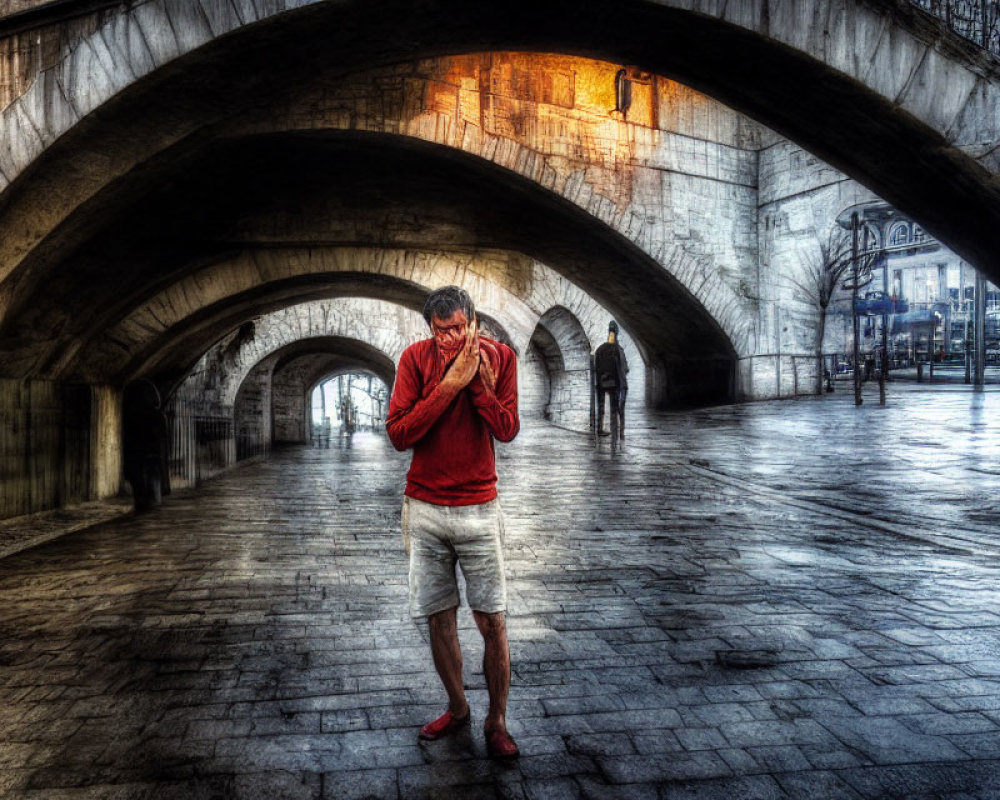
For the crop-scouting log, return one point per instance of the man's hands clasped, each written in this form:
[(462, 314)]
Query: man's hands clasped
[(469, 362)]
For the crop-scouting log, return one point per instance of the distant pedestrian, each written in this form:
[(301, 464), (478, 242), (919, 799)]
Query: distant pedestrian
[(610, 370), (144, 445), (455, 393)]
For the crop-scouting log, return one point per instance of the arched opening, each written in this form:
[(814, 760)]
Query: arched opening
[(823, 107), (558, 361), (378, 188), (346, 403), (214, 427)]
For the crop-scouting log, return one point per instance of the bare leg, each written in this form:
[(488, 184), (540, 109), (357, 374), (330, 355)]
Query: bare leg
[(614, 421), (448, 658), (621, 412), (496, 667)]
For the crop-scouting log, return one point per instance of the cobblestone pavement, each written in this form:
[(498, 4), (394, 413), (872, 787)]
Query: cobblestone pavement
[(791, 599)]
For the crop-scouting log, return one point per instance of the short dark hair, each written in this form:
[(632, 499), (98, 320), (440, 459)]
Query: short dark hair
[(444, 302), (613, 326)]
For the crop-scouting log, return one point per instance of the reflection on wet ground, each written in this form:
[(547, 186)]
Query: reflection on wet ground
[(792, 599)]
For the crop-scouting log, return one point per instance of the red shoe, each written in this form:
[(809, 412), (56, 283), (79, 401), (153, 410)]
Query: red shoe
[(501, 745), (444, 725)]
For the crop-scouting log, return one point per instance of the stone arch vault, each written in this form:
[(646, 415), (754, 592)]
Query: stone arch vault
[(452, 159), (805, 69), (153, 52)]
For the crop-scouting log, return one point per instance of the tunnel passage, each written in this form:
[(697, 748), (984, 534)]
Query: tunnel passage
[(341, 191), (77, 205), (251, 390), (211, 432), (347, 402), (274, 396), (802, 76)]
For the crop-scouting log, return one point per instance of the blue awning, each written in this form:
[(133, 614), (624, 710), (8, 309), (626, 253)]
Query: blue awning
[(924, 317)]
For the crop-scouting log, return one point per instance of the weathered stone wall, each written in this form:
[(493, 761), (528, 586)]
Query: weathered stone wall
[(290, 407), (252, 412), (9, 7), (60, 444), (800, 199), (30, 51), (566, 350), (569, 401), (904, 64), (687, 197), (534, 384)]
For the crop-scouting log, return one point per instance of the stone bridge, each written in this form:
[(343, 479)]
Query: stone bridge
[(136, 96), (171, 170)]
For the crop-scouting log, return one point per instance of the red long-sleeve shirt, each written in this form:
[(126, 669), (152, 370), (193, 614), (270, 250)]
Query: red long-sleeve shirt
[(453, 458)]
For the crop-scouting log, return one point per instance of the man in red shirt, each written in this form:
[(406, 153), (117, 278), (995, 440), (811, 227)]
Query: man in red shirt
[(455, 393)]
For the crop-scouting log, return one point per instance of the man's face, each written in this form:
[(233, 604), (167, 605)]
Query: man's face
[(450, 333)]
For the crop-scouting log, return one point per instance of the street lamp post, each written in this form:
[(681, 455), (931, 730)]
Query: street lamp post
[(967, 342), (856, 322), (884, 372), (980, 319)]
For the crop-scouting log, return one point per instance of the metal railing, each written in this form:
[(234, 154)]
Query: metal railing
[(975, 20), (251, 441), (200, 445)]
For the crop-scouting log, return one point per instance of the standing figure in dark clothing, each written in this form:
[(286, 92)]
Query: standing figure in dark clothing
[(610, 369), (144, 445), (455, 395)]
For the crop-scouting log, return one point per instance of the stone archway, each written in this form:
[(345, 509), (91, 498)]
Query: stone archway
[(374, 392), (207, 296), (559, 360), (262, 373), (271, 405), (818, 71)]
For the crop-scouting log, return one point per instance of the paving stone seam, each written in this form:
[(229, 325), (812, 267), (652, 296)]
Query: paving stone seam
[(969, 542), (32, 530)]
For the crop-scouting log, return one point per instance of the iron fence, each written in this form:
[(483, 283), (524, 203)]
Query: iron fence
[(975, 20), (200, 445), (251, 441)]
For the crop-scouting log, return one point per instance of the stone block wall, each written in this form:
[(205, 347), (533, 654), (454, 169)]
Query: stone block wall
[(687, 196), (25, 53), (291, 412), (569, 403), (533, 384), (562, 397), (253, 415), (800, 200), (60, 445)]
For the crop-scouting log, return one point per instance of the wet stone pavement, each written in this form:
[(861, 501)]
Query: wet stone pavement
[(792, 599)]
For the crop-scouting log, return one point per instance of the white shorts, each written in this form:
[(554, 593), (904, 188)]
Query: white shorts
[(442, 537)]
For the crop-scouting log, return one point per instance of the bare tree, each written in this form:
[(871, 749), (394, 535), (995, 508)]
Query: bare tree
[(825, 269)]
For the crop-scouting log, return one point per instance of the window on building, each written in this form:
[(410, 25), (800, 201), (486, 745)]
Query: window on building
[(899, 234)]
